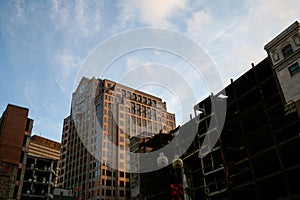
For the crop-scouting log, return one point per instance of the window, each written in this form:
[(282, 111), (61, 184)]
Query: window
[(143, 111), (149, 113), (128, 95), (294, 69), (153, 114), (121, 156), (132, 108), (144, 100), (108, 192), (138, 109), (123, 93), (139, 98), (154, 103), (133, 96), (287, 50), (108, 182), (121, 183)]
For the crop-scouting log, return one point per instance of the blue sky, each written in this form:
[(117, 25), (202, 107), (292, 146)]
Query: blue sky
[(44, 44)]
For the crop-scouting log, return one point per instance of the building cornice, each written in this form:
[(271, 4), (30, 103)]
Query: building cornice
[(288, 31)]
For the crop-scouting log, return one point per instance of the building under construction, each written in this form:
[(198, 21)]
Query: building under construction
[(257, 153)]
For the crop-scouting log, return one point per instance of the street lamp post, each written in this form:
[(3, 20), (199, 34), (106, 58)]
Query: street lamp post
[(177, 164), (162, 160)]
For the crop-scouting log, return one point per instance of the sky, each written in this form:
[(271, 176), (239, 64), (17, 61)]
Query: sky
[(45, 44)]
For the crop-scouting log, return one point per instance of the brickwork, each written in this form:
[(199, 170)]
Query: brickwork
[(8, 173), (15, 130)]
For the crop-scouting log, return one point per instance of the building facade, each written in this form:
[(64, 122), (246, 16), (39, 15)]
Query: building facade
[(39, 178), (15, 131), (44, 148), (154, 184), (284, 52), (256, 155), (96, 137), (63, 194)]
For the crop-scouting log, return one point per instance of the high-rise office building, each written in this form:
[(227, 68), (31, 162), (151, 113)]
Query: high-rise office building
[(15, 131), (96, 136)]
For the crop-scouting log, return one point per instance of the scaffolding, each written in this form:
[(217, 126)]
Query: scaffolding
[(256, 154), (255, 157)]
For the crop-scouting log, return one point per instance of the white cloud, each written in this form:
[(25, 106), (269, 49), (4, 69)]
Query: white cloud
[(152, 13), (31, 92), (132, 60), (234, 41), (19, 9), (77, 23), (175, 81), (66, 64), (46, 127), (198, 22), (135, 61), (233, 33), (80, 18), (262, 22)]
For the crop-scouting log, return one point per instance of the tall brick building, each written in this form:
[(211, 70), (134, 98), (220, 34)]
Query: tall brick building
[(15, 131)]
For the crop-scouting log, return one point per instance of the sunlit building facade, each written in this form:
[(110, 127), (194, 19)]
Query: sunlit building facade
[(96, 137)]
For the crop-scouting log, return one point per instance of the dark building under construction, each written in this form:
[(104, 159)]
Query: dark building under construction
[(257, 153)]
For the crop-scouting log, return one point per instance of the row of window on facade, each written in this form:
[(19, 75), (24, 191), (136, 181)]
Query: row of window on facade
[(107, 182), (144, 111), (133, 96), (107, 192), (138, 98), (136, 109), (138, 126)]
